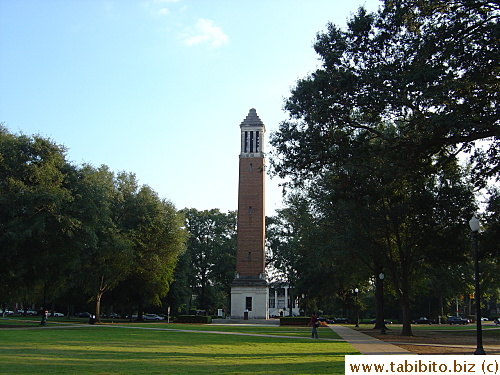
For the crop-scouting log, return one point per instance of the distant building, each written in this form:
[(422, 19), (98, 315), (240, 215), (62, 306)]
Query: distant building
[(282, 300)]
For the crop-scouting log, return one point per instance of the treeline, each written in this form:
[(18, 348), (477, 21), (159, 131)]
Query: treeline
[(69, 231)]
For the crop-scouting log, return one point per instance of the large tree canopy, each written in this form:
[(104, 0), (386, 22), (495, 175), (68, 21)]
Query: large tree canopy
[(107, 251), (418, 76), (36, 228), (158, 238), (374, 134)]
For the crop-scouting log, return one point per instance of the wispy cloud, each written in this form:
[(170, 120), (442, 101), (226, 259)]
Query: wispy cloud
[(163, 11), (207, 32), (159, 7)]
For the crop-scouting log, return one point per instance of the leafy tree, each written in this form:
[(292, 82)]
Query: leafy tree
[(397, 97), (402, 225), (492, 225), (36, 229), (180, 292), (211, 251), (306, 251), (490, 247), (155, 229), (283, 241), (106, 253), (418, 76)]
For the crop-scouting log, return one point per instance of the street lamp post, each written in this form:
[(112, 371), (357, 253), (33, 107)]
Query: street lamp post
[(356, 303), (474, 226), (381, 276)]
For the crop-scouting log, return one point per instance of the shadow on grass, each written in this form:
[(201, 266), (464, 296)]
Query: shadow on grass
[(99, 350), (111, 362)]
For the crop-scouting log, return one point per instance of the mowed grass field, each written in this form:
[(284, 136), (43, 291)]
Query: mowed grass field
[(159, 348)]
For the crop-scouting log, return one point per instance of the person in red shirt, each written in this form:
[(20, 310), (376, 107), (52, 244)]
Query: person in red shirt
[(314, 323)]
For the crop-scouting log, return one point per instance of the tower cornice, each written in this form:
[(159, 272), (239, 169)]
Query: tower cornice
[(253, 121)]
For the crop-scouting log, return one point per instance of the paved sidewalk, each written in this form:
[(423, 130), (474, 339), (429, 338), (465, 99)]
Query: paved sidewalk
[(366, 344)]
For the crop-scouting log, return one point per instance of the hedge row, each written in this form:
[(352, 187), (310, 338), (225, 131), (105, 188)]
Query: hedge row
[(194, 319), (295, 321)]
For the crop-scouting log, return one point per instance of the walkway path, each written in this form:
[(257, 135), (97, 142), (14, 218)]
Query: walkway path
[(366, 344)]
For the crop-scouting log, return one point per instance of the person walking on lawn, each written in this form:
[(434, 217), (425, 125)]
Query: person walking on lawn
[(314, 323)]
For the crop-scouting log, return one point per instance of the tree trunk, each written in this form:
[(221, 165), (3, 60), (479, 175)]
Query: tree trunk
[(98, 307), (406, 331), (140, 312), (406, 311), (188, 304), (441, 309), (203, 301)]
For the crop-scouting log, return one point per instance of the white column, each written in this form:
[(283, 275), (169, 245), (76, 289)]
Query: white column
[(286, 298), (242, 142)]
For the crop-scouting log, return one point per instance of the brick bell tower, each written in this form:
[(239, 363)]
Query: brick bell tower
[(249, 289)]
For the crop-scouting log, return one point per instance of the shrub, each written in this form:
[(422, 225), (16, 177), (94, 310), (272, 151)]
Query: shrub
[(295, 321), (194, 319)]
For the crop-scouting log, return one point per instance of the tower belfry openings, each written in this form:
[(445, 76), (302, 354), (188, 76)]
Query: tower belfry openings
[(251, 143)]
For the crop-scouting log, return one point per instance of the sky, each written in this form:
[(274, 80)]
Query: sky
[(159, 88)]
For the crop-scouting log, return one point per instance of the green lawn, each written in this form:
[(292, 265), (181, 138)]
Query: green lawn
[(61, 348)]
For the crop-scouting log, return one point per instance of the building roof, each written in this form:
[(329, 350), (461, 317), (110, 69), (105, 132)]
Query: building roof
[(252, 119)]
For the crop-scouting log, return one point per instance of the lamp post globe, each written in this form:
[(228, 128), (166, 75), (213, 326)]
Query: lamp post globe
[(474, 224)]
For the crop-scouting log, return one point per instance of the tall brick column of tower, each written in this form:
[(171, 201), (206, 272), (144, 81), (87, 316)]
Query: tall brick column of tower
[(249, 290)]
